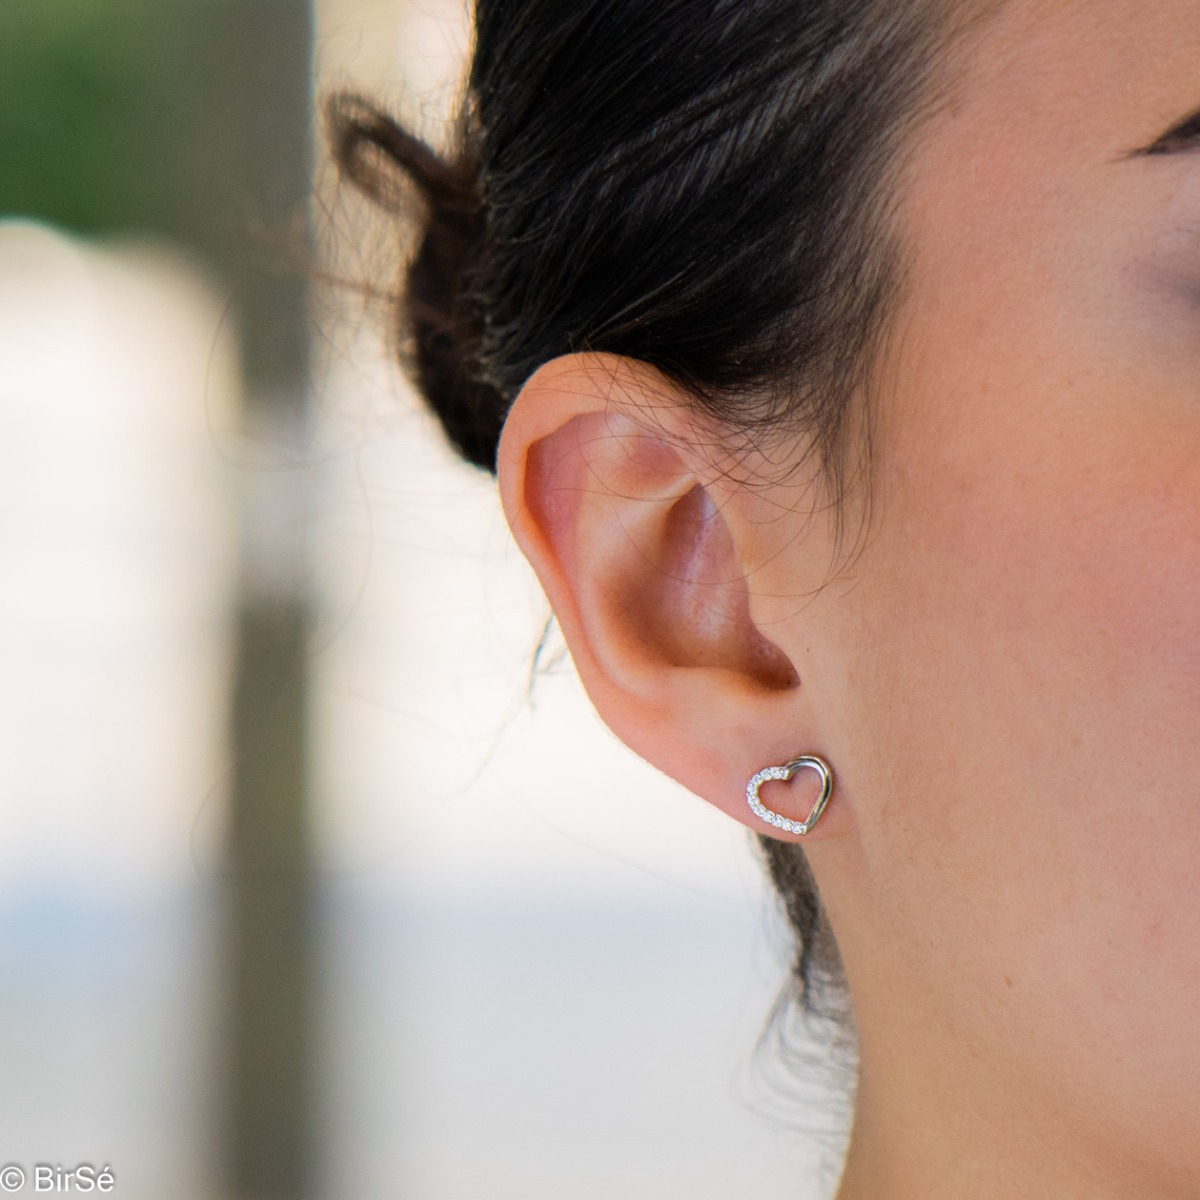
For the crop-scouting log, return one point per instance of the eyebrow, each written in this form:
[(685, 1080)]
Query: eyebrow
[(1183, 136)]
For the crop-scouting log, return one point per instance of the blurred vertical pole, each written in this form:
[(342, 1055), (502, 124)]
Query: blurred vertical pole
[(257, 57)]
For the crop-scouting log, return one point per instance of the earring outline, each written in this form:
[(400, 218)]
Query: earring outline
[(810, 762)]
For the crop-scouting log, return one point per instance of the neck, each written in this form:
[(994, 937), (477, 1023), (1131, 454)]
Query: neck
[(954, 1125)]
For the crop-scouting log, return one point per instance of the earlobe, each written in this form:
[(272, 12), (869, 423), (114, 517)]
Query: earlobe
[(635, 549)]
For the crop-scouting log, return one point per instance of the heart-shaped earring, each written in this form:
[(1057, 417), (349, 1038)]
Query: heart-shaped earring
[(807, 761)]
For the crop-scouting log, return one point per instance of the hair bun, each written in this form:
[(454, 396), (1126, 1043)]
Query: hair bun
[(437, 313)]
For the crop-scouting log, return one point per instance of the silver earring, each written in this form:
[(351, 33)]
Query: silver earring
[(805, 762)]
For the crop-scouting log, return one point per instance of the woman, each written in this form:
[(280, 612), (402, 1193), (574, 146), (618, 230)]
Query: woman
[(840, 364)]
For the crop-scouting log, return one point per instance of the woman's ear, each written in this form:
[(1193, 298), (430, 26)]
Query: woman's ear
[(615, 500)]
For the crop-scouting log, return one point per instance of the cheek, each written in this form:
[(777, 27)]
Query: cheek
[(1034, 712), (1087, 586)]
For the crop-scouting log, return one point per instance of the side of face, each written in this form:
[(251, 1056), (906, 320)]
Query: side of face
[(1005, 674), (1019, 654)]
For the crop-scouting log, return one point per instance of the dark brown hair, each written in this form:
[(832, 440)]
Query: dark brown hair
[(699, 184)]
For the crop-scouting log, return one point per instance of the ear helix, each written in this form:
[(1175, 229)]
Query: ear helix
[(808, 762)]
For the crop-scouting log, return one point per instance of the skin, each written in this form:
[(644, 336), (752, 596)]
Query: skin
[(1005, 673)]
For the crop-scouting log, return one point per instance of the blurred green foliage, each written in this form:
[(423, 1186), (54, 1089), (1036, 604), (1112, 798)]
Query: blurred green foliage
[(189, 120), (102, 108)]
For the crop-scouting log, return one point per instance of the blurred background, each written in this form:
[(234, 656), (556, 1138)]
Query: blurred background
[(311, 886)]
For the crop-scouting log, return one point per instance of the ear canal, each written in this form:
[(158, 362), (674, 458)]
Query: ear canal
[(694, 609)]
